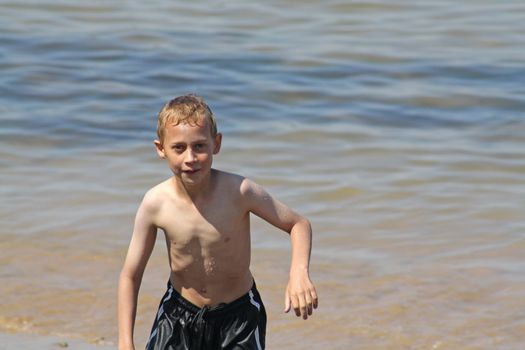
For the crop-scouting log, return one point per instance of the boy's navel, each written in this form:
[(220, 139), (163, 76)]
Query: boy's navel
[(209, 266)]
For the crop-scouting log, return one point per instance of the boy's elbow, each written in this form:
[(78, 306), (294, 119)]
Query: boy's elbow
[(128, 282), (129, 274), (302, 224), (125, 275), (305, 222)]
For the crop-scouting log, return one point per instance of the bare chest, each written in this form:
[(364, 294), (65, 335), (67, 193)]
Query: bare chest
[(203, 226)]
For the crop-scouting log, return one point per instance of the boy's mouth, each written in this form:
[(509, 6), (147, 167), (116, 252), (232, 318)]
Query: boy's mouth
[(190, 171)]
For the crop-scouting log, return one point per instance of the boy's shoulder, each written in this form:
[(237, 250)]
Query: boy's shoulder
[(235, 182), (154, 197), (228, 179)]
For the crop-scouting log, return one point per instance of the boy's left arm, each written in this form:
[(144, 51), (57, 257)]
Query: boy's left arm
[(300, 292)]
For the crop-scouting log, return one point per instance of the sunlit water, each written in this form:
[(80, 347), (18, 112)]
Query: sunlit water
[(397, 127)]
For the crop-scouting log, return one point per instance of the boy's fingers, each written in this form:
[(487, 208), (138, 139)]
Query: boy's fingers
[(296, 306), (309, 304), (303, 303), (302, 306), (286, 303), (315, 299)]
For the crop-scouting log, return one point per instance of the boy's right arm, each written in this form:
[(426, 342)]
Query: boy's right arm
[(140, 248)]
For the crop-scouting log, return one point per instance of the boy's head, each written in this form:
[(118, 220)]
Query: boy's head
[(187, 109), (188, 138)]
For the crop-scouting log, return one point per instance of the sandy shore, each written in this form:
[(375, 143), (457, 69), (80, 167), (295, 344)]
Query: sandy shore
[(18, 341)]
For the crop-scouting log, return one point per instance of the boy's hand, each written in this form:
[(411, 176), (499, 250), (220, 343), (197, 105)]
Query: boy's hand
[(301, 295)]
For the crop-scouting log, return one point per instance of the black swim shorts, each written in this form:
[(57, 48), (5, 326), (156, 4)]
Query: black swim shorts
[(181, 325)]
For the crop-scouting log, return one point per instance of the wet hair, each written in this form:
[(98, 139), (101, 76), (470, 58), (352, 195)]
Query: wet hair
[(187, 109)]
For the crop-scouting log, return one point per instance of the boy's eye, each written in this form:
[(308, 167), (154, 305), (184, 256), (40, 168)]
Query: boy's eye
[(178, 148)]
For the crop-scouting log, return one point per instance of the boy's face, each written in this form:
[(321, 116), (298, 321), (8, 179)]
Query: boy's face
[(189, 151)]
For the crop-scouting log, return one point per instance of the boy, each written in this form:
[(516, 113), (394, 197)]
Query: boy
[(212, 301)]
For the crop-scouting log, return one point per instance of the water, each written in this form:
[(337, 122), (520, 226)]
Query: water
[(397, 127)]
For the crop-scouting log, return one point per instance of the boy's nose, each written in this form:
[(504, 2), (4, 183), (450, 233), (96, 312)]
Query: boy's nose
[(190, 157)]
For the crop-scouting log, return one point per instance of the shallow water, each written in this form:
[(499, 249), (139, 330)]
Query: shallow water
[(397, 127)]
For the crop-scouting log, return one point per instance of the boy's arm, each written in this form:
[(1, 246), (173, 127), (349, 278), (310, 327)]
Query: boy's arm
[(140, 248), (300, 292)]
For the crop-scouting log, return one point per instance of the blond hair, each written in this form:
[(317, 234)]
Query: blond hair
[(188, 109)]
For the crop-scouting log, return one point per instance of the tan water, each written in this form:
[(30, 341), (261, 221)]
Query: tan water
[(397, 128)]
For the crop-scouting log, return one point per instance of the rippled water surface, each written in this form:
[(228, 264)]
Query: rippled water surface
[(397, 127)]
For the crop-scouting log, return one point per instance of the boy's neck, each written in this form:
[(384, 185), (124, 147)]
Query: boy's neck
[(194, 191)]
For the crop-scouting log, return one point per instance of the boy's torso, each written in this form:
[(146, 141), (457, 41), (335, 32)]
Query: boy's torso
[(208, 241)]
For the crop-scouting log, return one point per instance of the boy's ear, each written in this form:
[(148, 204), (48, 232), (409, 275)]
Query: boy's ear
[(217, 146), (160, 149)]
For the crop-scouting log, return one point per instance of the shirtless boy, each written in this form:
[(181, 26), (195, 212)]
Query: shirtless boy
[(212, 301)]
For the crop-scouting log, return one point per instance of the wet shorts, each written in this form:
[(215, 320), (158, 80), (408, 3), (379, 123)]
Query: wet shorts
[(179, 324)]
